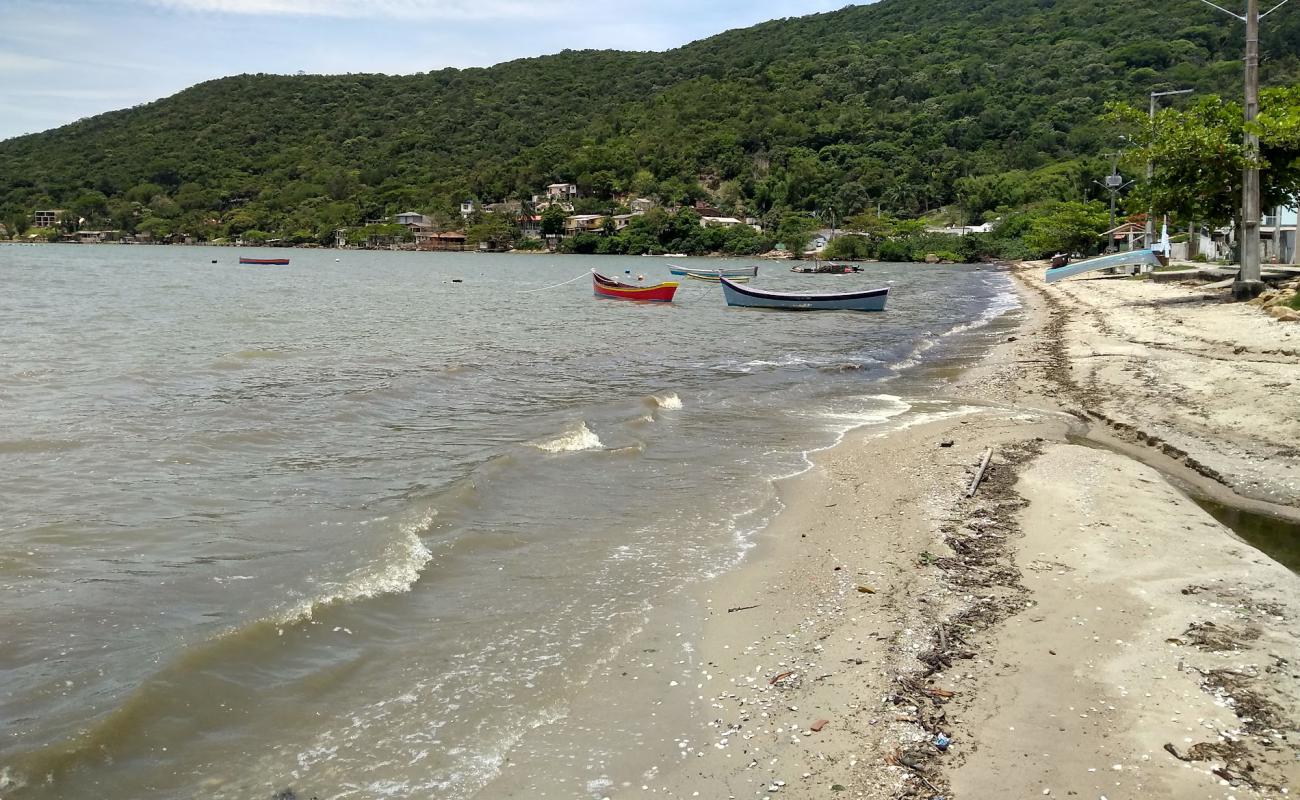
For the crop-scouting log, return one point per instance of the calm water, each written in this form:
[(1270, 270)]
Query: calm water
[(355, 528)]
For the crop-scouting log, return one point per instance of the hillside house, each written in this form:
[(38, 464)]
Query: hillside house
[(466, 208), (562, 191), (584, 223), (640, 205), (411, 219), (530, 225), (47, 219), (719, 222)]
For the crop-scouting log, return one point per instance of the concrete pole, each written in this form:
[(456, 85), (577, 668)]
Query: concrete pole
[(1248, 283), (1149, 237)]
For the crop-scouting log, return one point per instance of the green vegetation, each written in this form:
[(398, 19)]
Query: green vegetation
[(1201, 155), (987, 107)]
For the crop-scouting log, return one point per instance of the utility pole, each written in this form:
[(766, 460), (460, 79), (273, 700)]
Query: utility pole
[(1114, 184), (1149, 237), (1248, 283)]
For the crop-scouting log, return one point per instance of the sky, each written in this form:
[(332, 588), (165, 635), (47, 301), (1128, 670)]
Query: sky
[(62, 60)]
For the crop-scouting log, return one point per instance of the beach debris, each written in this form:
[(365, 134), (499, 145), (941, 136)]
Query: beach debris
[(866, 589), (947, 443), (781, 677), (818, 725), (979, 475), (740, 608), (942, 741)]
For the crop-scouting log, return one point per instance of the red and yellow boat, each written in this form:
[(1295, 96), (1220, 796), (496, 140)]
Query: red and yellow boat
[(611, 287)]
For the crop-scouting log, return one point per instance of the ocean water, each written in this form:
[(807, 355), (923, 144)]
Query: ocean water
[(351, 527)]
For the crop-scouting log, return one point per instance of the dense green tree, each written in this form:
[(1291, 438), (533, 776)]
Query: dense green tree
[(553, 219), (1066, 227), (1199, 155)]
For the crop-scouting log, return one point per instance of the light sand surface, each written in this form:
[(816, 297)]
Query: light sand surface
[(1061, 626)]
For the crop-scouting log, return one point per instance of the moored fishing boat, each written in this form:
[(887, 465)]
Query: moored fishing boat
[(749, 297), (265, 262), (604, 286), (737, 274)]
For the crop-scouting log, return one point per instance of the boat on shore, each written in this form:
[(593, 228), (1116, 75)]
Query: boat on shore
[(1131, 258), (604, 286), (265, 262), (737, 274), (749, 297)]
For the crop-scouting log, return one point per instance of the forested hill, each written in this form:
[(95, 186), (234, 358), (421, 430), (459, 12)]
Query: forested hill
[(909, 104)]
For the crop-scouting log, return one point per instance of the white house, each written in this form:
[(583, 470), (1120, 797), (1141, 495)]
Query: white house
[(562, 191), (467, 208), (1277, 236)]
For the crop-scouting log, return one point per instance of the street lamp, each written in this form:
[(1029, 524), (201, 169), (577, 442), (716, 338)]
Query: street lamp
[(1114, 184), (1248, 284), (1149, 236)]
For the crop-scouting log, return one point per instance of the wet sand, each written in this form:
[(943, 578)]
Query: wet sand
[(1079, 627)]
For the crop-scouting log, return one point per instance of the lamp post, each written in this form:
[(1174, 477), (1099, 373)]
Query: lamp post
[(1148, 238), (1114, 185), (1248, 284)]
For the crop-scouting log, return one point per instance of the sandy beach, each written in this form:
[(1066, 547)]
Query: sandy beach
[(1079, 626)]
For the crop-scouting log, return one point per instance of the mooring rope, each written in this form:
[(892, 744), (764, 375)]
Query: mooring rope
[(554, 285)]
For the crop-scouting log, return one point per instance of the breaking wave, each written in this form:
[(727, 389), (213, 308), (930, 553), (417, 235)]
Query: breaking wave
[(668, 400), (396, 571), (580, 438)]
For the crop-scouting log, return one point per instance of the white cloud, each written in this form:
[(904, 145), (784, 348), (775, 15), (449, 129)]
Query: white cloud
[(409, 9), (17, 62)]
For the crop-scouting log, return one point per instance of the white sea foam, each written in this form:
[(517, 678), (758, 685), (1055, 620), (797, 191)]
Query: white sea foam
[(1002, 303), (396, 571), (580, 438), (668, 400)]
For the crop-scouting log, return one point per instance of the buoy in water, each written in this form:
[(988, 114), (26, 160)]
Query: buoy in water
[(214, 261), (456, 280)]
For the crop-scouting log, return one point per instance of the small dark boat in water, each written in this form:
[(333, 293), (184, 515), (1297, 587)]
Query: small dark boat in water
[(826, 269), (265, 262), (749, 297)]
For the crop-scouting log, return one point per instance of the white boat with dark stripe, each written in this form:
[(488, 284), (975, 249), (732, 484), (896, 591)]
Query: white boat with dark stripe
[(749, 297)]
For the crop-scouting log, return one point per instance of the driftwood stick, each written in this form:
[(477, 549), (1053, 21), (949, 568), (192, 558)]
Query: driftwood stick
[(979, 475), (740, 608)]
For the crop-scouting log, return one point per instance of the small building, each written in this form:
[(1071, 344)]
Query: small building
[(47, 219), (719, 222), (95, 237), (1277, 236), (411, 218), (584, 223), (444, 240), (467, 208), (562, 191), (530, 225), (640, 205), (1124, 237)]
